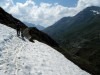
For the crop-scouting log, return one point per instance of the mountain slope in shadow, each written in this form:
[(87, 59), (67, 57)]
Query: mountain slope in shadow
[(80, 34)]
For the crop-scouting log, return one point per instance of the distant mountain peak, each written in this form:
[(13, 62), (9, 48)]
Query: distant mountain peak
[(88, 12), (95, 8), (33, 25)]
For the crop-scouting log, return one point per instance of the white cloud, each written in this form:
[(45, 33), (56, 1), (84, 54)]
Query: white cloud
[(6, 4), (45, 14)]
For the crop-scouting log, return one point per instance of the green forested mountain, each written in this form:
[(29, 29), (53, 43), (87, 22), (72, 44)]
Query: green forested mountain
[(80, 35)]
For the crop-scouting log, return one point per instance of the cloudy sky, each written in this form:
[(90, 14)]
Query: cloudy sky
[(45, 12)]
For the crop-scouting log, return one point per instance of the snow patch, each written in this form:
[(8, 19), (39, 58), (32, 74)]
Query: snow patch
[(95, 12), (18, 57)]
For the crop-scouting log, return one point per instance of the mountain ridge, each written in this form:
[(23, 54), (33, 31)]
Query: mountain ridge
[(33, 25)]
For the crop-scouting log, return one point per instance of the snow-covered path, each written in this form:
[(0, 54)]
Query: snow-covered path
[(18, 57)]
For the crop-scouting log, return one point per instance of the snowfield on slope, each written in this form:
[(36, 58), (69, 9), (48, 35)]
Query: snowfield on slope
[(18, 57)]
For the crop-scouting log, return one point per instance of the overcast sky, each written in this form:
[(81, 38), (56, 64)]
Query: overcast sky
[(45, 12)]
